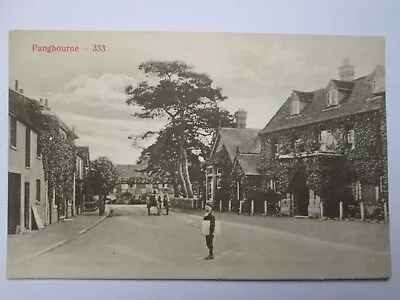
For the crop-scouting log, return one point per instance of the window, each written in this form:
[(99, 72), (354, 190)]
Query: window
[(38, 146), (377, 84), (327, 141), (274, 147), (298, 146), (13, 131), (219, 171), (333, 98), (209, 170), (38, 191), (350, 139), (218, 182), (295, 107), (28, 148)]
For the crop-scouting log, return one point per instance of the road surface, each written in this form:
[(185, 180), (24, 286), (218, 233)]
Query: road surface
[(132, 245)]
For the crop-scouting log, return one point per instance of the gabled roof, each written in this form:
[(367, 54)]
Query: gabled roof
[(83, 152), (248, 163), (63, 125), (304, 96), (127, 172), (343, 85), (245, 140), (316, 111)]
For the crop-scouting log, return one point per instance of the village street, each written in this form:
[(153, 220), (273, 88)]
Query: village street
[(132, 245)]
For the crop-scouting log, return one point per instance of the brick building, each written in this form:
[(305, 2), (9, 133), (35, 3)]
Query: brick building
[(232, 165)]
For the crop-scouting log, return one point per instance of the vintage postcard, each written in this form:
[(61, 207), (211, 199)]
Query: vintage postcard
[(178, 155)]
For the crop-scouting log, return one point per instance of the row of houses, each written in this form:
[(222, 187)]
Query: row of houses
[(321, 147), (29, 206), (134, 183)]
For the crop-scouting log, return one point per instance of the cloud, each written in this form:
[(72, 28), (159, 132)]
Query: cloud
[(101, 97), (96, 108)]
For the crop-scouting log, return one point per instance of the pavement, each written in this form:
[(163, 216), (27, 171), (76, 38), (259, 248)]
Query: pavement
[(29, 244), (132, 245)]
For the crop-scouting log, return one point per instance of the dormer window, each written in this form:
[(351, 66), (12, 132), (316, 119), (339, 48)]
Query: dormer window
[(333, 98), (295, 107), (377, 85)]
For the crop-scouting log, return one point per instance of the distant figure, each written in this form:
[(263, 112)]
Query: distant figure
[(148, 203), (167, 203), (209, 216), (159, 203)]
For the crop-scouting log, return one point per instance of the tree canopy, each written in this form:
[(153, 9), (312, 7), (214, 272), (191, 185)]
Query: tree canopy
[(103, 176), (190, 104)]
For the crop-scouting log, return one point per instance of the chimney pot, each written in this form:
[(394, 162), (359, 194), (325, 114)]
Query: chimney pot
[(21, 91), (47, 102), (16, 85), (241, 116), (346, 70)]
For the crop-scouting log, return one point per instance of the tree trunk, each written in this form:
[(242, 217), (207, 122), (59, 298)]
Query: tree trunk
[(175, 184), (186, 177), (181, 178)]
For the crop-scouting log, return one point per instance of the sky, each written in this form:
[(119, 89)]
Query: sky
[(257, 72)]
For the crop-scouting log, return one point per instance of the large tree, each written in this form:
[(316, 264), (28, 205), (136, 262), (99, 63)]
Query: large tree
[(190, 104), (102, 178)]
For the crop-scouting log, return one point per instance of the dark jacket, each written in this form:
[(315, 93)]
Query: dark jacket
[(210, 217)]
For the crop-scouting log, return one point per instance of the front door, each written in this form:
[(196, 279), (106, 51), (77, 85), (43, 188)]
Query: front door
[(14, 202), (300, 194), (27, 204)]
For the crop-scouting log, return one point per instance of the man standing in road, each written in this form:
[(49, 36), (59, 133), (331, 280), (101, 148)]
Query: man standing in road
[(209, 216)]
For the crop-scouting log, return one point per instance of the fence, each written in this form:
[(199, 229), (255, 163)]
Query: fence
[(285, 207)]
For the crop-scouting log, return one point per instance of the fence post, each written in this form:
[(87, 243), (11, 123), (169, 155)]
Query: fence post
[(230, 205), (220, 206), (204, 204), (194, 203), (385, 211), (341, 210), (265, 208), (240, 207), (362, 211), (321, 207), (252, 207)]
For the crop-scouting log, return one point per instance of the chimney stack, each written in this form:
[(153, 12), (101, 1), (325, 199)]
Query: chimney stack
[(21, 91), (46, 102), (346, 70), (241, 116), (16, 85), (41, 102)]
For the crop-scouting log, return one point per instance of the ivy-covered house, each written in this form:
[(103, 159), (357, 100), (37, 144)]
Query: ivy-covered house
[(328, 146), (231, 168)]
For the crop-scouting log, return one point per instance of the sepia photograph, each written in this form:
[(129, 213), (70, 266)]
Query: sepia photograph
[(197, 156)]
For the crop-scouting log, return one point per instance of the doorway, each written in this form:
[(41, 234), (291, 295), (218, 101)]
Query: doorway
[(14, 202), (300, 194), (27, 204)]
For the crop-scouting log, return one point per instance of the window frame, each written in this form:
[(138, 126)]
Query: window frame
[(295, 107), (38, 191), (333, 98), (28, 147), (13, 139)]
